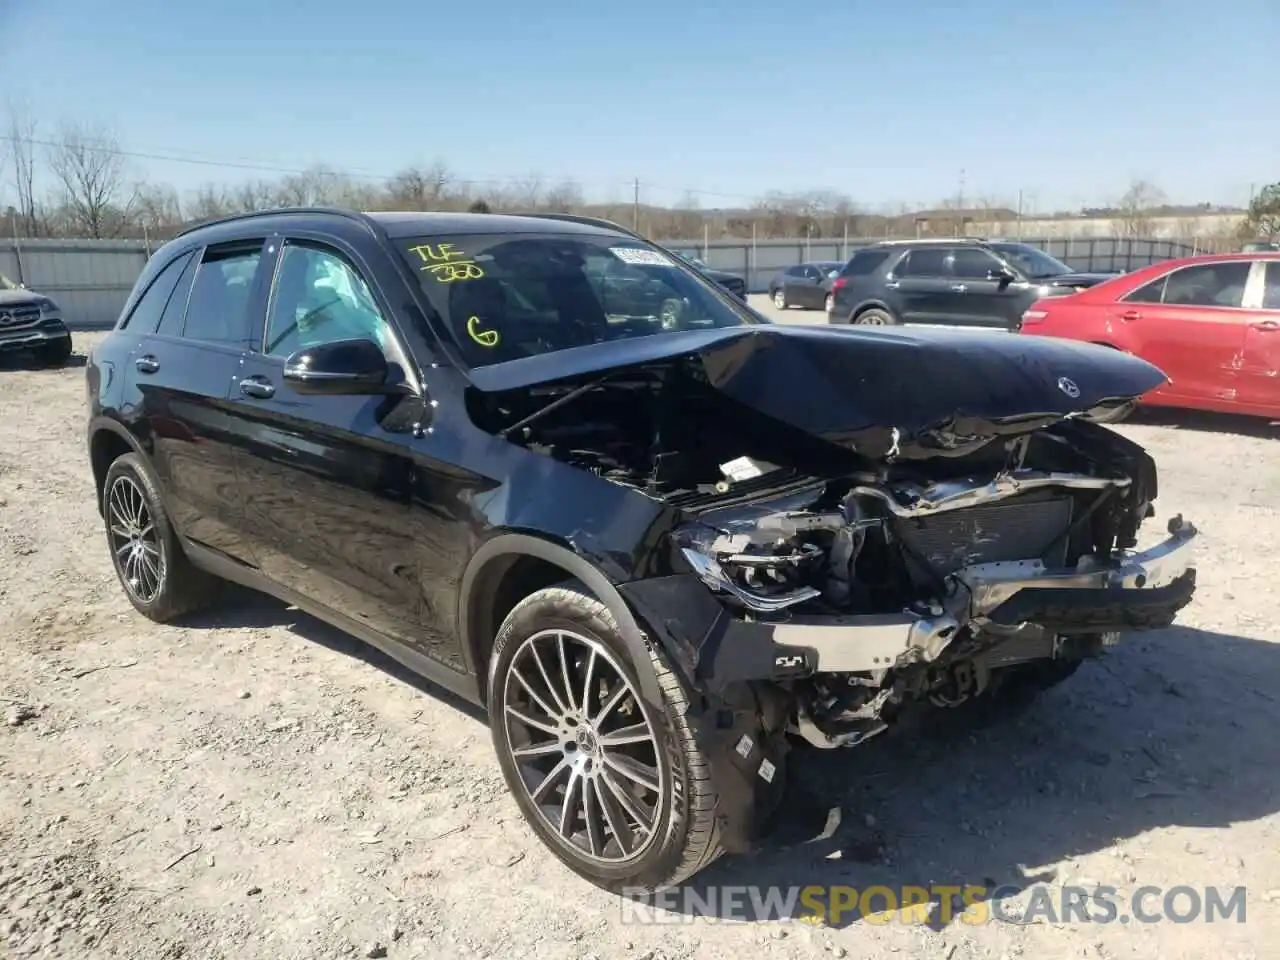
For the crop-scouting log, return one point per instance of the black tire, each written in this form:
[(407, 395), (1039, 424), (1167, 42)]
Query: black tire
[(829, 303), (779, 298), (684, 838), (875, 317), (167, 586), (55, 354)]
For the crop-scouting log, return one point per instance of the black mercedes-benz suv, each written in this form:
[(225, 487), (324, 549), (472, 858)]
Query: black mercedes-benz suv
[(554, 470), (953, 282)]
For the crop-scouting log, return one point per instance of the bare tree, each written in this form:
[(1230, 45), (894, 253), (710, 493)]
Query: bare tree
[(1135, 206), (22, 152), (88, 164), (1263, 220)]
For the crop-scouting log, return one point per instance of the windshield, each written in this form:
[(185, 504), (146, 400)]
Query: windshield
[(1035, 263), (507, 296), (6, 283)]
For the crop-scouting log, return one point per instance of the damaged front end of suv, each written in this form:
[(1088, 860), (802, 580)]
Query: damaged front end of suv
[(850, 522)]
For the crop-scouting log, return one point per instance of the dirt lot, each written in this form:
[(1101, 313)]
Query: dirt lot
[(252, 784)]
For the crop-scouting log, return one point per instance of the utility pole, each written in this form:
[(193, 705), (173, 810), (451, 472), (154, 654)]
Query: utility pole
[(635, 207), (960, 192)]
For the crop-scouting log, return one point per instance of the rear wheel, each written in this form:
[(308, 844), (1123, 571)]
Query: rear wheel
[(617, 789), (829, 303), (875, 317), (157, 577)]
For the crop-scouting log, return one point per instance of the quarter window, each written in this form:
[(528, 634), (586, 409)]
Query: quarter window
[(146, 313), (218, 310), (864, 262), (319, 298)]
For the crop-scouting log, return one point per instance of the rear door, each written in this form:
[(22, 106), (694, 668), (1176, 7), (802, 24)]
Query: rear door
[(1190, 323), (921, 283), (327, 480), (183, 373), (1260, 380)]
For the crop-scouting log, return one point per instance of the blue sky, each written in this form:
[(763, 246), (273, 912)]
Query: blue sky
[(886, 102)]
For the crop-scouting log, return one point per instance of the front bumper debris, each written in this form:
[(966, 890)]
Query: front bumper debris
[(1138, 590)]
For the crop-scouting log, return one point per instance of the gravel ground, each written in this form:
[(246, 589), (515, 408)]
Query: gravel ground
[(254, 784)]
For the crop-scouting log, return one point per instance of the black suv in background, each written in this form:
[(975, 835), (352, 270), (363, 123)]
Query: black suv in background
[(955, 282), (551, 468)]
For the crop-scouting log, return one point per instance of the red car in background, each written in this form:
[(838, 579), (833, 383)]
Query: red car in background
[(1211, 323)]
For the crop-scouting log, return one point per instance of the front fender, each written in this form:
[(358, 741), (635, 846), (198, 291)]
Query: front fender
[(479, 581)]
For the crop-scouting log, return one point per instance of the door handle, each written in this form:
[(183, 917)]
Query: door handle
[(1131, 315), (260, 388), (958, 288), (1266, 326), (147, 364), (892, 285)]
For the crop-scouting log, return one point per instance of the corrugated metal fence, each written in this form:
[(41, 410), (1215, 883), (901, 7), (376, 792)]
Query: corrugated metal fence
[(91, 279)]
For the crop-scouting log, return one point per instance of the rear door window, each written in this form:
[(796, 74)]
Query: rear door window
[(218, 309), (925, 262), (1208, 285)]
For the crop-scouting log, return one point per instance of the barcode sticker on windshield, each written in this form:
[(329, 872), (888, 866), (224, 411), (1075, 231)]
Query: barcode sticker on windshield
[(641, 258)]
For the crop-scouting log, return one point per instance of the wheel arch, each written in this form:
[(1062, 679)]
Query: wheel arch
[(866, 305), (510, 567), (108, 441)]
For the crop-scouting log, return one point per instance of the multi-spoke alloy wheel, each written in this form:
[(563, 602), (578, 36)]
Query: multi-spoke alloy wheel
[(158, 578), (586, 753), (135, 542)]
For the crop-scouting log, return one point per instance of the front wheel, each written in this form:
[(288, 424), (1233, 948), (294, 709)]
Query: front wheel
[(616, 787), (780, 299), (54, 354)]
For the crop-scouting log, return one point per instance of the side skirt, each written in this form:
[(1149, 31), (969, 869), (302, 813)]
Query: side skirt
[(460, 684)]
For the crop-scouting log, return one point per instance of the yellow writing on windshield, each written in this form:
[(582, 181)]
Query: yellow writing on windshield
[(486, 338), (446, 263)]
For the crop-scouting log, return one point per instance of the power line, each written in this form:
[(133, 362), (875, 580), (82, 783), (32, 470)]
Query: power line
[(254, 166)]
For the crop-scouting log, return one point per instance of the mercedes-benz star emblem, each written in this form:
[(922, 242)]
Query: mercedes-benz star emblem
[(1068, 387), (6, 318)]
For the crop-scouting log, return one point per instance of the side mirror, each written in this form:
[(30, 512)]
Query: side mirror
[(1001, 274), (340, 367)]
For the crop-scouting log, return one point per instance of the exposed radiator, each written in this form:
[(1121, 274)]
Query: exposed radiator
[(1021, 529)]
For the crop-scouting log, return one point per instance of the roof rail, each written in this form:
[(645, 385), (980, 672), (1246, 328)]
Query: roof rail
[(587, 221), (272, 212)]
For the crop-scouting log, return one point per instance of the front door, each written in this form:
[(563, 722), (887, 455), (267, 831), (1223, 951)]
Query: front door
[(183, 372), (987, 300), (326, 480)]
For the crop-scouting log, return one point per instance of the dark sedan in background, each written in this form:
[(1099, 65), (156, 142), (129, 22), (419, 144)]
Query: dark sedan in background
[(730, 281), (805, 285)]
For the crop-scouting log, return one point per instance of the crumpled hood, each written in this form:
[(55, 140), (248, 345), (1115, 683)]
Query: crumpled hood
[(869, 388)]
